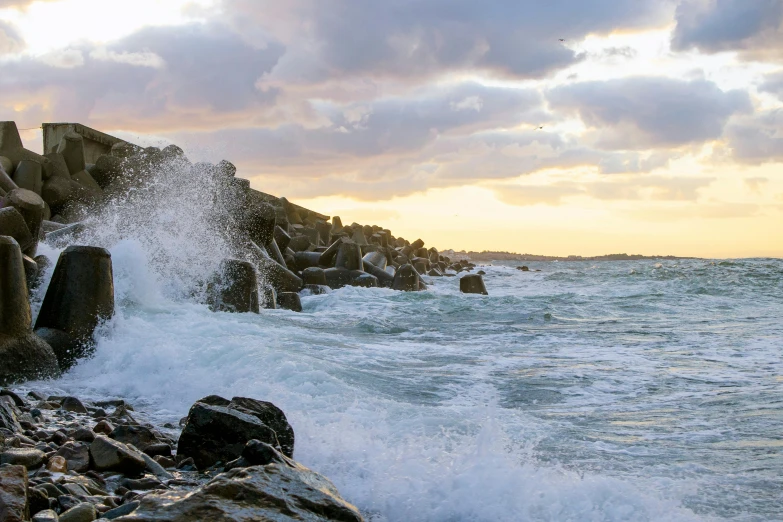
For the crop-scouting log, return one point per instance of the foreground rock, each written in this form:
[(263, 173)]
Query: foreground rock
[(277, 491), (79, 297), (13, 494)]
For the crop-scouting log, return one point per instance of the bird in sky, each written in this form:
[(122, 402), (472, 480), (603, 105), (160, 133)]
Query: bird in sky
[(562, 39)]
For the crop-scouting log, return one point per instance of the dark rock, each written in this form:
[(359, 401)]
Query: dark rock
[(217, 434), (31, 207), (140, 436), (79, 297), (83, 512), (84, 435), (13, 494), (12, 224), (273, 492), (158, 450), (76, 454), (314, 276), (406, 279), (73, 404), (349, 256), (365, 280), (235, 288), (165, 462), (17, 400), (125, 509), (27, 457), (282, 238), (260, 222), (39, 501), (289, 301), (104, 427), (111, 455), (282, 279), (47, 515), (385, 279), (271, 416), (472, 284), (143, 484), (29, 175), (215, 400), (523, 269), (328, 256)]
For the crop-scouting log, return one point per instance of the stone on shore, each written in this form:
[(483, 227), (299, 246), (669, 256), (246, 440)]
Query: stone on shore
[(472, 284), (289, 301), (111, 455), (13, 494), (235, 288), (79, 297), (83, 512), (28, 457), (406, 279), (217, 434), (277, 491), (31, 207), (12, 224), (76, 455)]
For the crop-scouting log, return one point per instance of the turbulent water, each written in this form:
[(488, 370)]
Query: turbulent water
[(606, 391)]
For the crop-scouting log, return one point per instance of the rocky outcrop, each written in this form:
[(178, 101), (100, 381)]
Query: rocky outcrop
[(277, 491)]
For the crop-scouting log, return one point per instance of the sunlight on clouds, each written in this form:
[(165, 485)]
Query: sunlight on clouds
[(48, 26)]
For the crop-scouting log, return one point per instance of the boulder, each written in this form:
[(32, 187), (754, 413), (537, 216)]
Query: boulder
[(83, 512), (260, 222), (79, 297), (218, 433), (31, 207), (140, 436), (472, 284), (377, 259), (47, 515), (282, 279), (23, 356), (111, 455), (29, 175), (282, 238), (235, 288), (13, 494), (28, 457), (271, 416), (72, 149), (314, 276), (12, 224), (406, 279), (76, 455), (385, 279), (277, 491), (349, 256), (9, 415), (289, 301)]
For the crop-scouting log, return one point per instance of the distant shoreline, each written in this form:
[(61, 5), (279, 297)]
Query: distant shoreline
[(508, 256)]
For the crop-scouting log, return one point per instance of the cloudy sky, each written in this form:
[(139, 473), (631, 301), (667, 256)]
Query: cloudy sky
[(557, 127)]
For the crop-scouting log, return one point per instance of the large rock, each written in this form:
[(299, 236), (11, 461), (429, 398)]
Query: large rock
[(28, 457), (31, 207), (76, 454), (349, 256), (9, 415), (406, 279), (13, 494), (281, 279), (289, 301), (111, 455), (218, 433), (270, 415), (472, 284), (275, 492), (79, 297), (140, 436), (72, 149), (235, 288), (23, 356), (29, 175)]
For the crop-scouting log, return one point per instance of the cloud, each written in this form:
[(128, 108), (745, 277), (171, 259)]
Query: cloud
[(657, 188), (10, 39), (63, 58), (773, 84), (142, 59), (650, 112), (757, 139), (752, 27), (755, 184)]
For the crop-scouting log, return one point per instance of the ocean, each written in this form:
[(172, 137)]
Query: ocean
[(631, 390)]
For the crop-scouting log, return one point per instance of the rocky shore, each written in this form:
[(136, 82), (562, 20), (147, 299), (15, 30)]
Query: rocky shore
[(233, 459)]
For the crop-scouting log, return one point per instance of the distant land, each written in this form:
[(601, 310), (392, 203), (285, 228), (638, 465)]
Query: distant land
[(511, 256)]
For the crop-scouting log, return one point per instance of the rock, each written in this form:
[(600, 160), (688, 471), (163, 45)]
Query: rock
[(110, 455), (31, 207), (84, 435), (76, 455), (406, 279), (46, 516), (289, 301), (140, 436), (30, 272), (273, 492), (12, 224), (73, 404), (104, 427), (84, 512), (301, 244), (377, 259), (282, 238), (271, 416), (340, 277), (17, 400), (365, 280), (125, 509), (58, 192), (57, 465), (314, 276), (256, 453), (157, 449), (385, 279), (260, 222), (472, 284), (27, 457), (349, 256), (235, 288), (217, 434), (13, 494), (155, 468), (79, 297), (328, 256), (23, 356), (282, 279), (29, 175), (143, 484)]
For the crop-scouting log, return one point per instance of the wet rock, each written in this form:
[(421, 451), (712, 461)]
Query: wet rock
[(349, 256), (140, 436), (83, 512), (30, 272), (472, 284), (29, 175), (217, 434), (157, 449), (165, 462), (276, 491), (57, 465), (289, 301), (110, 455), (73, 404), (282, 279), (27, 457), (125, 509), (46, 516), (104, 427), (12, 224), (235, 288), (31, 207), (385, 279), (76, 455), (271, 416), (523, 269), (13, 494), (143, 484), (406, 279), (17, 400), (79, 297), (84, 435)]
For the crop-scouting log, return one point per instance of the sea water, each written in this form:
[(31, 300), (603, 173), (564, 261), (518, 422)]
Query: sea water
[(628, 390)]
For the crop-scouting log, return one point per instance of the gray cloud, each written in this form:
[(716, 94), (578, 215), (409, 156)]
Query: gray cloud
[(773, 84), (10, 39), (752, 27), (757, 139), (650, 112)]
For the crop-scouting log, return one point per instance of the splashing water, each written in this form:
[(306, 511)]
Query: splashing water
[(651, 393)]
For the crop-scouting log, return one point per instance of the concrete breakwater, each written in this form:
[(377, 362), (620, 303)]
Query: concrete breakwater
[(274, 252)]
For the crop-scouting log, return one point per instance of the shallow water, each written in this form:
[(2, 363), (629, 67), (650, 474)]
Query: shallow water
[(586, 391)]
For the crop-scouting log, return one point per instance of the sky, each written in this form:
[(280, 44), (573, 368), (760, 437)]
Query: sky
[(561, 127)]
